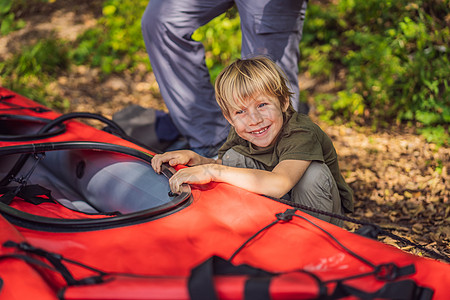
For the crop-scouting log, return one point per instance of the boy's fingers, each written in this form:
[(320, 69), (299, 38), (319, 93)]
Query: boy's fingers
[(158, 160), (174, 185), (174, 162), (172, 158), (175, 189), (156, 163)]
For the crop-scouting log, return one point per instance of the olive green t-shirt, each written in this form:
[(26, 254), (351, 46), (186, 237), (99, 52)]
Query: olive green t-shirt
[(299, 139)]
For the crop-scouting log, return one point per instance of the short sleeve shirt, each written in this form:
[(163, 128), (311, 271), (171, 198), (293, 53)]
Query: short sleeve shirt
[(299, 139)]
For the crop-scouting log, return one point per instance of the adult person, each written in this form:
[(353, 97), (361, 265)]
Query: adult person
[(269, 27)]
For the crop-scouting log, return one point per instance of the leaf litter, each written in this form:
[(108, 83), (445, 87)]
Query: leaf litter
[(400, 182)]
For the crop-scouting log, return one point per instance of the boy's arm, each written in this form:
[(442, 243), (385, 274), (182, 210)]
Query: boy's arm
[(275, 183), (180, 157)]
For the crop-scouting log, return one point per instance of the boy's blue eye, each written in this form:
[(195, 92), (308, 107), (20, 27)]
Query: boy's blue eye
[(262, 104), (238, 112)]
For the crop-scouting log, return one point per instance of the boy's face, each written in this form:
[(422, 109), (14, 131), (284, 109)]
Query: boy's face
[(259, 121)]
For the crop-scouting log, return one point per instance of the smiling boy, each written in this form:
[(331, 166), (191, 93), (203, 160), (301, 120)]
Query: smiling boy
[(271, 149)]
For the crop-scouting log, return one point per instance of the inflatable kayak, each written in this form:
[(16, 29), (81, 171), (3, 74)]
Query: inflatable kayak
[(84, 216)]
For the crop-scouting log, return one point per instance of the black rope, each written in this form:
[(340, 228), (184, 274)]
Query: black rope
[(9, 121), (379, 230), (28, 248), (4, 97), (37, 109), (47, 127), (408, 242), (362, 259), (75, 115), (56, 261), (22, 181), (28, 259), (251, 238), (111, 125), (385, 271), (318, 211), (287, 216), (14, 106)]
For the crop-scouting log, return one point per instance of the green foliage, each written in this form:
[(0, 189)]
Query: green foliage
[(395, 56), (116, 43), (322, 102), (222, 40), (349, 104), (318, 41), (8, 22), (437, 135), (30, 71), (43, 58)]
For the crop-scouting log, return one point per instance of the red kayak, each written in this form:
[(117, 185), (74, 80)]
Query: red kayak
[(84, 216)]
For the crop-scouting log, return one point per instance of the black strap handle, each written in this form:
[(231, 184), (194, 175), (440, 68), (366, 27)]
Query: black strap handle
[(57, 261), (201, 285), (399, 290), (34, 194)]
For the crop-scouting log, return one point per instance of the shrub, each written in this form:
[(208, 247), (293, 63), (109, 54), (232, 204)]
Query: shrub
[(8, 22), (395, 55), (31, 71), (222, 40), (116, 43)]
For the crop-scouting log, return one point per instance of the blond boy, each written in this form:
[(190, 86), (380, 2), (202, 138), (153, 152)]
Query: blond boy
[(271, 149)]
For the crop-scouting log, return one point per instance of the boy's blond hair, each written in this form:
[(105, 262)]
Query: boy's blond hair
[(246, 78)]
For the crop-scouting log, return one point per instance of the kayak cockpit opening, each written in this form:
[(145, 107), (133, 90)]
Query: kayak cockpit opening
[(92, 180)]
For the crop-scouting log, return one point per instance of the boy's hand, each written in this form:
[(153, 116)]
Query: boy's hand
[(181, 157), (201, 171), (173, 158), (194, 175)]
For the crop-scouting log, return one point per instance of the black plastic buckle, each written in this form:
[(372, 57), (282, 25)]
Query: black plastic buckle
[(387, 272), (287, 215)]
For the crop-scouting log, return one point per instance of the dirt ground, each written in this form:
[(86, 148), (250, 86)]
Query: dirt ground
[(400, 181)]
